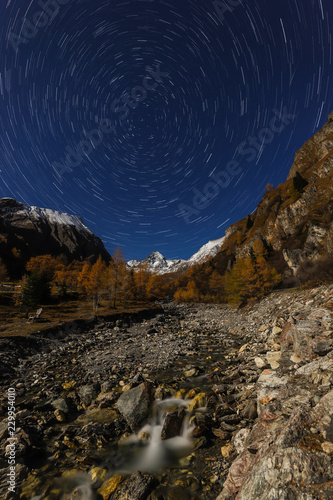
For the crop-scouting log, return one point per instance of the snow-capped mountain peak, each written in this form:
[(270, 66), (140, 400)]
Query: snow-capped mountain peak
[(157, 263)]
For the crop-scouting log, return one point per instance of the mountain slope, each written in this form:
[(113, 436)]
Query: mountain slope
[(27, 231), (295, 226), (206, 251)]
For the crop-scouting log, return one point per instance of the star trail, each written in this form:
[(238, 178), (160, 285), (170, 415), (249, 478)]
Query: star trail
[(158, 122)]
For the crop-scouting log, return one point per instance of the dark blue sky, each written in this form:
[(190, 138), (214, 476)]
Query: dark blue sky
[(158, 122)]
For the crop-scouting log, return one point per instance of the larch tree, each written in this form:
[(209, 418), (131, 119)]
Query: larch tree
[(251, 277), (118, 276)]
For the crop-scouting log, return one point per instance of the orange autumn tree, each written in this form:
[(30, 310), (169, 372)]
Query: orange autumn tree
[(251, 277), (118, 276), (141, 276), (44, 264), (66, 277), (188, 294), (93, 281), (155, 287), (216, 287)]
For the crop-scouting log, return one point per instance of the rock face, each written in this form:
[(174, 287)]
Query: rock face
[(295, 227), (287, 453), (27, 231), (314, 150)]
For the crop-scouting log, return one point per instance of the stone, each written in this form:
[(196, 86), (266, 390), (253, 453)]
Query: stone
[(98, 475), (107, 386), (239, 440), (191, 373), (60, 415), (88, 393), (105, 400), (260, 363), (170, 493), (110, 486), (273, 359), (276, 330), (173, 424), (135, 404), (3, 428), (250, 410), (60, 404), (137, 487), (273, 476), (327, 447), (198, 402), (268, 386), (242, 349), (225, 450), (322, 347), (295, 359), (199, 443), (319, 365)]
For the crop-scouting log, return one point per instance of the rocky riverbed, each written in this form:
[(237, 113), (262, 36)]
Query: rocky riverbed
[(189, 402)]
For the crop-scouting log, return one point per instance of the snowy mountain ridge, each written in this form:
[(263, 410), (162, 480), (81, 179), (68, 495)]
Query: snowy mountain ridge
[(157, 263), (52, 216)]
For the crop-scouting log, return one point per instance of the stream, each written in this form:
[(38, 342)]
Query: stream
[(73, 438)]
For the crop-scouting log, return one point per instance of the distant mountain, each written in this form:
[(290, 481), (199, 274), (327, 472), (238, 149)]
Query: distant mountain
[(157, 263), (27, 231)]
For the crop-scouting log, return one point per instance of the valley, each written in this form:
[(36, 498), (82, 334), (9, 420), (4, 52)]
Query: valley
[(247, 380)]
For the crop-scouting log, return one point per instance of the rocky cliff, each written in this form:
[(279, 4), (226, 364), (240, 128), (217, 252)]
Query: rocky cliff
[(295, 226), (27, 231)]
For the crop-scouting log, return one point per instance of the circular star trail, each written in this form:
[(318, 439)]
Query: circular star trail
[(158, 122)]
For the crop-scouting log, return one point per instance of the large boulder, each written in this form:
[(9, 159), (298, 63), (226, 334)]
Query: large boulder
[(137, 487), (135, 404)]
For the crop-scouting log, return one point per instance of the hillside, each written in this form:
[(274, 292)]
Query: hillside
[(27, 232), (294, 226)]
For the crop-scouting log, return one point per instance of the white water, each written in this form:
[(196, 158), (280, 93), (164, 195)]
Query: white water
[(150, 455), (155, 453)]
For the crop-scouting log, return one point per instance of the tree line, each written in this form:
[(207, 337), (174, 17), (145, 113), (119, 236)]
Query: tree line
[(113, 284)]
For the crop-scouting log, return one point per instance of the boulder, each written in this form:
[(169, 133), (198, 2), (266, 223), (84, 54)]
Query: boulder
[(268, 386), (135, 404), (173, 424), (137, 487)]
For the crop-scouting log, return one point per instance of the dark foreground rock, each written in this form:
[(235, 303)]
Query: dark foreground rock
[(135, 404)]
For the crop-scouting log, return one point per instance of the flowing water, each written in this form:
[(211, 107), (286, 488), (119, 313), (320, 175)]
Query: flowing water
[(144, 451)]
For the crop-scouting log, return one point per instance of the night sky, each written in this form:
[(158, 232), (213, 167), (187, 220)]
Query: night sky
[(158, 122)]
